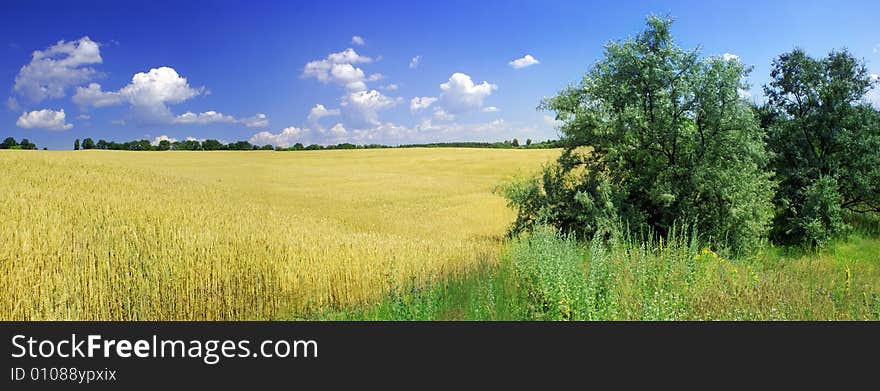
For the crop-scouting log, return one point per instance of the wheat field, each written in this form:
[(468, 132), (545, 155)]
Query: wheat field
[(107, 235)]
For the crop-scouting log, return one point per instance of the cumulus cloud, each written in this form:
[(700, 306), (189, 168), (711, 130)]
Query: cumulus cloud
[(318, 112), (336, 134), (258, 121), (285, 138), (491, 109), (203, 118), (58, 67), (460, 94), (419, 103), (390, 87), (209, 117), (414, 63), (728, 57), (360, 108), (358, 40), (525, 61), (44, 119), (149, 93), (339, 68), (164, 138)]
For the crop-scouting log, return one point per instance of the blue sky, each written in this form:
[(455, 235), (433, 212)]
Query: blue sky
[(282, 72)]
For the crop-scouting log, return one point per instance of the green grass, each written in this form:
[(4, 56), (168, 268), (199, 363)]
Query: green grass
[(544, 276)]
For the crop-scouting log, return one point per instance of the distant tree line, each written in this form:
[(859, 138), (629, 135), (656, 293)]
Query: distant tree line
[(215, 145), (10, 143)]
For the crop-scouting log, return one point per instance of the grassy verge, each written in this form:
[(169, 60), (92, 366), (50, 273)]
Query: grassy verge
[(544, 276)]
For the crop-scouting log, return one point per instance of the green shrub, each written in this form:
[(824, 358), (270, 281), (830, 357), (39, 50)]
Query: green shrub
[(821, 216)]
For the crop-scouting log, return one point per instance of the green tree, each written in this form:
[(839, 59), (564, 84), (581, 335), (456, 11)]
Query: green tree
[(826, 143), (88, 143), (212, 145), (515, 143), (164, 145), (27, 144), (654, 136), (8, 143), (76, 145), (528, 142)]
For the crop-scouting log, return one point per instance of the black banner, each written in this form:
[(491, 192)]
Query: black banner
[(116, 355)]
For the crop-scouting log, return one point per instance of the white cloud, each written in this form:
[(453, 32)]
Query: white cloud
[(414, 63), (360, 108), (258, 121), (348, 56), (287, 137), (163, 138), (53, 70), (84, 117), (339, 68), (419, 103), (44, 119), (728, 57), (525, 61), (203, 118), (491, 109), (358, 40), (349, 75), (318, 112), (488, 131), (390, 87), (376, 77), (149, 94), (336, 134), (95, 97), (443, 115), (209, 117), (392, 134), (460, 94)]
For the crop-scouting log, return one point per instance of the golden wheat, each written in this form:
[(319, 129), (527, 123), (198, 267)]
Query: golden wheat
[(240, 235)]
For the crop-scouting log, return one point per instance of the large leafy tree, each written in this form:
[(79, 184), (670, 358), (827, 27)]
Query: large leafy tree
[(9, 142), (656, 136), (826, 141)]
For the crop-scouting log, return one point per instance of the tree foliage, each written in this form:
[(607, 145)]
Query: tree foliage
[(826, 142), (10, 143), (655, 136)]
